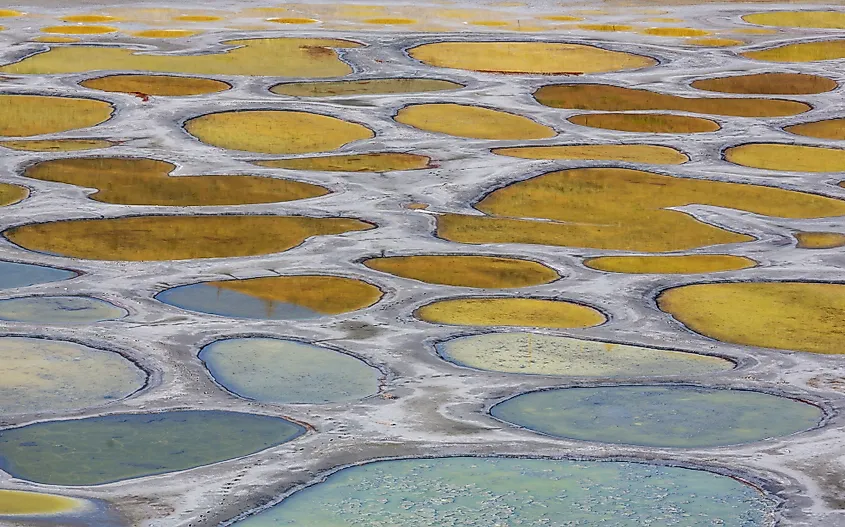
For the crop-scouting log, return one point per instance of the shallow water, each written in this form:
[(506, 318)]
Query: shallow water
[(466, 491), (56, 145), (28, 115), (156, 238), (814, 19), (804, 52), (781, 156), (529, 312), (658, 416), (527, 57), (297, 57), (11, 194), (156, 85), (652, 123), (287, 371), (363, 87), (608, 208), (472, 121), (375, 162), (682, 264), (630, 153), (275, 298), (141, 181), (605, 97), (827, 129), (20, 503), (530, 353), (59, 310), (801, 316), (768, 84), (99, 450), (39, 375), (820, 240), (79, 30), (275, 131), (13, 274), (466, 271)]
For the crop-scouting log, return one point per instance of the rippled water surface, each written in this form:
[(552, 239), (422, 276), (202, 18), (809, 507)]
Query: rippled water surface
[(465, 492)]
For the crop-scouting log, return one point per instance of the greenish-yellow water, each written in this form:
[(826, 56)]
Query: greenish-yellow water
[(531, 353), (40, 375)]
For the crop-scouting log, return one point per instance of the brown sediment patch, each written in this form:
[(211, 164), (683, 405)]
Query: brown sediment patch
[(466, 271), (295, 57), (28, 115), (11, 194), (611, 152), (156, 238), (417, 206), (79, 30), (275, 131), (768, 84), (363, 87), (800, 316), (820, 240), (804, 52), (167, 85), (56, 145), (527, 57), (620, 209), (795, 158), (328, 295), (671, 264), (377, 162), (471, 121), (165, 33), (808, 19), (827, 129), (528, 312), (605, 97), (654, 123), (140, 181)]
